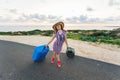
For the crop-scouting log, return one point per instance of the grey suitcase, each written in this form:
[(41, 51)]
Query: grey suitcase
[(70, 52)]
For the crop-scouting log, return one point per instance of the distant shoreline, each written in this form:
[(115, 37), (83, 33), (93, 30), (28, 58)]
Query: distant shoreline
[(29, 28)]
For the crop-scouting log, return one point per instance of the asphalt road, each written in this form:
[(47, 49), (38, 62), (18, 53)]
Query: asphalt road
[(16, 64)]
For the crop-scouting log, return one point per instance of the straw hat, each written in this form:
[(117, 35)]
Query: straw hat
[(58, 23)]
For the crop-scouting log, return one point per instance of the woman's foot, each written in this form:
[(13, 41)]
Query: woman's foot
[(59, 64), (52, 60)]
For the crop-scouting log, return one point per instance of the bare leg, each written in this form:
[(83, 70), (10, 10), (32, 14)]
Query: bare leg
[(53, 58), (58, 56), (58, 60), (54, 55)]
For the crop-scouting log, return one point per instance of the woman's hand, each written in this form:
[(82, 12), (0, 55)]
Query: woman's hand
[(67, 45), (47, 46)]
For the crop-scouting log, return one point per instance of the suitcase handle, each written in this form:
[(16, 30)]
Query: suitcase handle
[(46, 46)]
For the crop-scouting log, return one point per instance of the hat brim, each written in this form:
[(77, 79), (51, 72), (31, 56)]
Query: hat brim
[(58, 23)]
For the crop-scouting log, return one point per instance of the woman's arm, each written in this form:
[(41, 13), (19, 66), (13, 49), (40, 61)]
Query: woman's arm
[(53, 37), (66, 41)]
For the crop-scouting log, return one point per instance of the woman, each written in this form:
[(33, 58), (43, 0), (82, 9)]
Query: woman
[(60, 35)]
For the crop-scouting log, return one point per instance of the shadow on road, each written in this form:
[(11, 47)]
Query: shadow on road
[(16, 64)]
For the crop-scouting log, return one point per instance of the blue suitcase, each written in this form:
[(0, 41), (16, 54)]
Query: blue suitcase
[(40, 52)]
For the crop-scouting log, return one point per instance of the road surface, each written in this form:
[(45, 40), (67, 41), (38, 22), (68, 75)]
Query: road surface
[(16, 64)]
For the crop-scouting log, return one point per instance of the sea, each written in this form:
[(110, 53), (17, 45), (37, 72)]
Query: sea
[(29, 28)]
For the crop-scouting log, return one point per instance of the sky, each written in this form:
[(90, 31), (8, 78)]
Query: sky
[(51, 11)]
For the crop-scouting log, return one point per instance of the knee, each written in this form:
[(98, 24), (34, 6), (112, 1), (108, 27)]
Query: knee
[(57, 54)]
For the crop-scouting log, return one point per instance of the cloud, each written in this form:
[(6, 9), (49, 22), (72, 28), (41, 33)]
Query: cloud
[(86, 19), (20, 19), (93, 20), (38, 18), (4, 19), (51, 18), (104, 20), (111, 3), (14, 11), (114, 3), (72, 19), (89, 9), (32, 17), (118, 18), (83, 18), (109, 19)]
